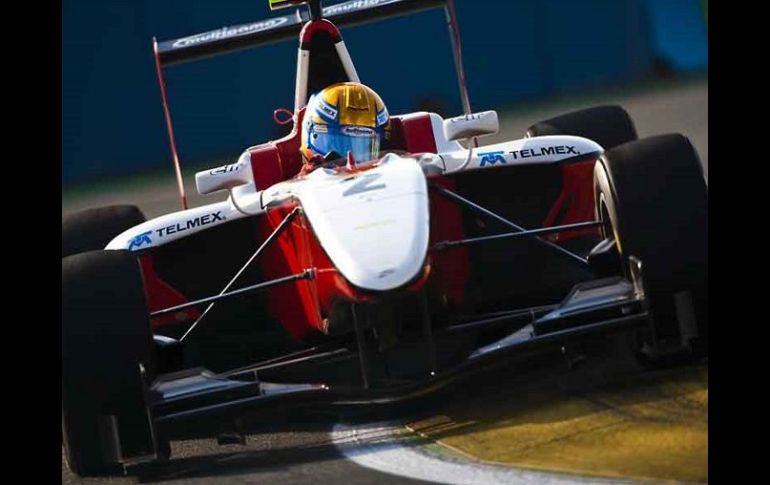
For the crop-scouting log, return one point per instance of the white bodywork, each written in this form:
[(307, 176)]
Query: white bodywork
[(174, 226), (474, 124), (373, 223), (526, 151), (225, 177)]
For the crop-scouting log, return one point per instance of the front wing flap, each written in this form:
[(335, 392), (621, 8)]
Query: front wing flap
[(592, 309)]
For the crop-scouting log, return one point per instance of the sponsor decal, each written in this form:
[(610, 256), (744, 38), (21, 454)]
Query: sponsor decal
[(192, 223), (354, 5), (541, 151), (382, 117), (370, 225), (358, 131), (491, 158), (228, 32), (385, 273), (328, 110), (225, 169), (140, 240)]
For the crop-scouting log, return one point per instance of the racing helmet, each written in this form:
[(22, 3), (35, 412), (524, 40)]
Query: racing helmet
[(345, 117)]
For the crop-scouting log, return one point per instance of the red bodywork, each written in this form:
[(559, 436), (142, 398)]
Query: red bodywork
[(162, 295), (304, 306), (576, 201)]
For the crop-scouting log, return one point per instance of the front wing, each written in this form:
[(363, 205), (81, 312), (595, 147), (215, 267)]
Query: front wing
[(599, 307)]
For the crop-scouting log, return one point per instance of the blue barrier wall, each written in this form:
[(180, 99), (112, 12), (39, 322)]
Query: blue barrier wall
[(679, 33), (112, 120)]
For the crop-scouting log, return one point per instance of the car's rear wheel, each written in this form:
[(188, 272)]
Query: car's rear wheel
[(107, 359), (93, 229), (609, 126), (652, 195)]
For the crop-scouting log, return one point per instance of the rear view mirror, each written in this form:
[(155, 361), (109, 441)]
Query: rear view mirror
[(223, 178), (468, 126)]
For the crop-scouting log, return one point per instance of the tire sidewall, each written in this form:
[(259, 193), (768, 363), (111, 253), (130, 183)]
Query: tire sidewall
[(103, 343), (93, 229)]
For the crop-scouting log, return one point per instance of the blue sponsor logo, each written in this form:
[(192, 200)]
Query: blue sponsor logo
[(382, 117), (492, 158), (325, 110), (140, 240)]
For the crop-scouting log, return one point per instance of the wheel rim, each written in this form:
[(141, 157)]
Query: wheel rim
[(604, 217)]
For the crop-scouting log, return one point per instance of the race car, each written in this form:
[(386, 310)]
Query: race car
[(342, 280)]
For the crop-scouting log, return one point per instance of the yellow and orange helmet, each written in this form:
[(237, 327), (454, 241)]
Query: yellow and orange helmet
[(345, 117)]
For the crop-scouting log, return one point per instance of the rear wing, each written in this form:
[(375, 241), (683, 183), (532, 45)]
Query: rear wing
[(254, 34)]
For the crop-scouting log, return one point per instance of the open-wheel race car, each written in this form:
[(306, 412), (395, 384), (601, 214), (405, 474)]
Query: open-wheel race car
[(343, 279)]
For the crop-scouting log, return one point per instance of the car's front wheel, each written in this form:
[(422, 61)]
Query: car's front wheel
[(653, 198), (107, 362)]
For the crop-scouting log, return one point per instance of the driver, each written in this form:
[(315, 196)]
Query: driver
[(341, 121)]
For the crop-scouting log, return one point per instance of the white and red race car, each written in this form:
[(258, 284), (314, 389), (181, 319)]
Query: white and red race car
[(375, 282)]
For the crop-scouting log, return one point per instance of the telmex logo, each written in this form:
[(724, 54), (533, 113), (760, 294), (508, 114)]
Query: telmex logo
[(227, 32), (357, 4)]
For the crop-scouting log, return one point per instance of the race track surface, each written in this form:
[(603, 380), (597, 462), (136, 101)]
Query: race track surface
[(601, 421), (305, 450), (605, 421)]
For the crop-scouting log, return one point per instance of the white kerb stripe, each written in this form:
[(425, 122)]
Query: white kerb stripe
[(378, 447)]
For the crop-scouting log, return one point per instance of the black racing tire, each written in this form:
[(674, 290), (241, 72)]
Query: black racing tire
[(93, 229), (609, 126), (106, 335), (653, 195)]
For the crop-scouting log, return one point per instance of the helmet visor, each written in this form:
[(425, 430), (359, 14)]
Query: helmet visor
[(363, 142)]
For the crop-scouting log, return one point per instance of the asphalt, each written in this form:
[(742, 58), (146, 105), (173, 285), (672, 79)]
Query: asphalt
[(304, 452), (298, 456), (305, 448)]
